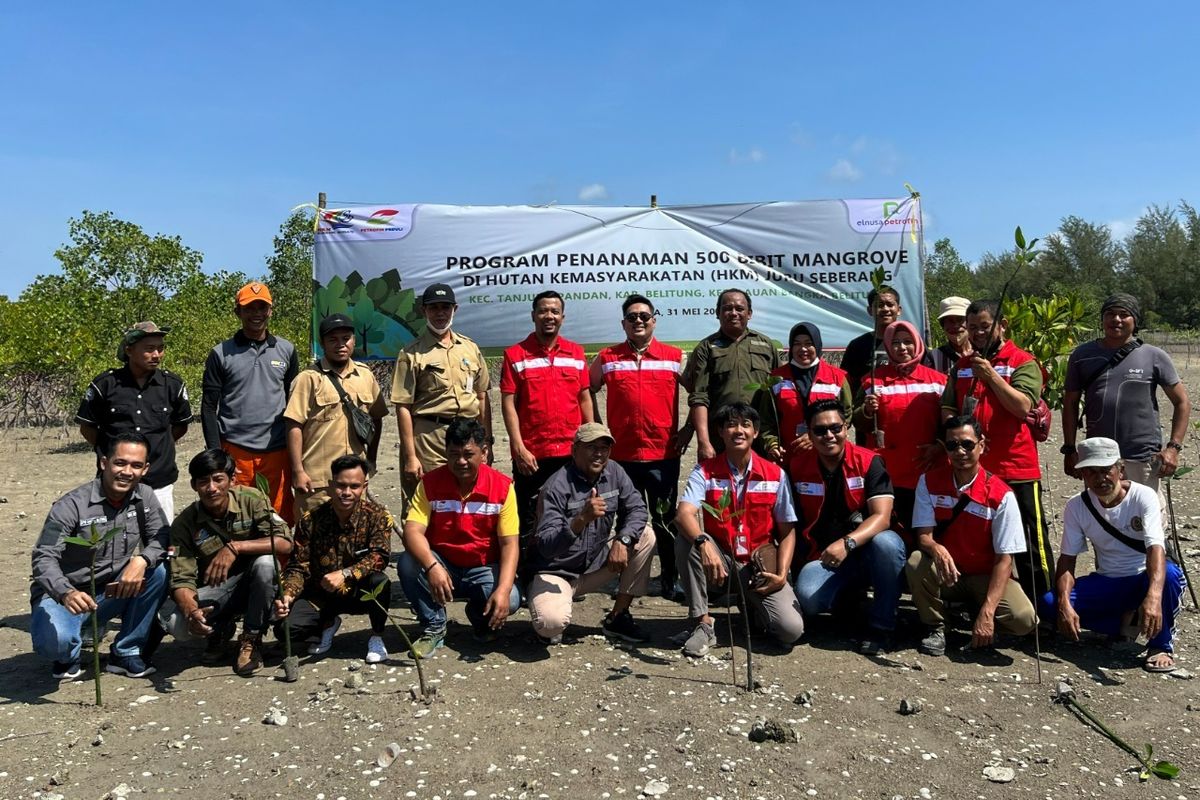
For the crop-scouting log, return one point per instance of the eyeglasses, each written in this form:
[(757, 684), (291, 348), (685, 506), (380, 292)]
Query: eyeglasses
[(639, 316), (961, 444), (821, 430)]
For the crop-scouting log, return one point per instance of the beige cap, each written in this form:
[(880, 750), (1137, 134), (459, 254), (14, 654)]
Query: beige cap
[(953, 307), (591, 431), (1097, 452)]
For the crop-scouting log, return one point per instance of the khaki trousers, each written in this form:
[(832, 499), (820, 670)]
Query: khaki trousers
[(1014, 614)]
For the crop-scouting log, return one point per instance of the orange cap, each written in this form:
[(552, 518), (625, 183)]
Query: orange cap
[(253, 291)]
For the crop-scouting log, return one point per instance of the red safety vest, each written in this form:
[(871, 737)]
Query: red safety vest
[(808, 484), (910, 411), (1011, 452), (642, 399), (547, 385), (827, 385), (463, 530), (749, 520), (969, 538)]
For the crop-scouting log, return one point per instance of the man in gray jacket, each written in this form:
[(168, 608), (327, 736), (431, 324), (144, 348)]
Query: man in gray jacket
[(592, 527), (129, 584)]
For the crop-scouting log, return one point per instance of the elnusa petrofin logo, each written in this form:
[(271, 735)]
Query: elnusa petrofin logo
[(367, 223), (897, 215)]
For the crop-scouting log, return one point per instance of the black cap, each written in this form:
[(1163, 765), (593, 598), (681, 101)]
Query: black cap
[(335, 322), (438, 293)]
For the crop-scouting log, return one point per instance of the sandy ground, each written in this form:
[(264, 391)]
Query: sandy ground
[(583, 720)]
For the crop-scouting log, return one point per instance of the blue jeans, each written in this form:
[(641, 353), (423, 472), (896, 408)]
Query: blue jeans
[(879, 564), (1100, 601), (476, 584), (56, 631)]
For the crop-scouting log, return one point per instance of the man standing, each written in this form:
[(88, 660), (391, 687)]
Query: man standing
[(867, 350), (1116, 375), (952, 316), (723, 364), (223, 561), (755, 507), (641, 378), (318, 414), (246, 383), (845, 498), (342, 549), (544, 397), (968, 527), (998, 384), (1122, 521), (460, 540), (129, 586), (144, 399), (592, 527), (439, 376)]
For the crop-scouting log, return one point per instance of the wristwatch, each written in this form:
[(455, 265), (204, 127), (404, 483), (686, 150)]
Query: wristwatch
[(701, 539), (1067, 449), (850, 544), (347, 572), (625, 539), (1176, 446)]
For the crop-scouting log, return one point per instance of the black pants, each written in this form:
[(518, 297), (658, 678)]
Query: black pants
[(313, 610), (902, 514), (658, 482), (526, 488), (1039, 579)]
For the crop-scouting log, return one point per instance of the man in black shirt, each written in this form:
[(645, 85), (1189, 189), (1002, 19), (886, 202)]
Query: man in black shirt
[(883, 304), (140, 398)]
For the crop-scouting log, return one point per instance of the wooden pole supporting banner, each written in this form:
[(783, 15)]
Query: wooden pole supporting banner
[(654, 201), (320, 199)]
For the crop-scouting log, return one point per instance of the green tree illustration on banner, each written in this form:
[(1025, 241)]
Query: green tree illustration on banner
[(384, 314)]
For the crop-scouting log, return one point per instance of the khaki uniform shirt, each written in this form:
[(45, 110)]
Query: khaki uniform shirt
[(440, 380), (197, 536), (325, 428)]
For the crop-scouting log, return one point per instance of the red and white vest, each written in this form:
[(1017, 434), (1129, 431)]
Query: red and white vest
[(827, 385), (808, 485), (546, 384), (642, 399), (1011, 452), (969, 538), (910, 411), (464, 531), (749, 520)]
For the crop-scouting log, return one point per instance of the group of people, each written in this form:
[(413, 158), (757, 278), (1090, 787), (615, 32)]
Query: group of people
[(784, 512)]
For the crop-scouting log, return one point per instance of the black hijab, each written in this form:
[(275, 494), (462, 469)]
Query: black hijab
[(803, 376)]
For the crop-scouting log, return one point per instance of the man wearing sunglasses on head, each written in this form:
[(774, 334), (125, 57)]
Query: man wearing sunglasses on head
[(968, 528), (640, 378), (844, 498)]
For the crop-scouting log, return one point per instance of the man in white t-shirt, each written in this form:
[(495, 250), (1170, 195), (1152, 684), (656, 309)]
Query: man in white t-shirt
[(1122, 521)]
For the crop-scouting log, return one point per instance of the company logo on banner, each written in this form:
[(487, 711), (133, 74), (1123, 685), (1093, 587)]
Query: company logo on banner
[(366, 224), (883, 216)]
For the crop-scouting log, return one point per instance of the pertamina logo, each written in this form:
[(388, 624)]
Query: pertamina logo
[(381, 217)]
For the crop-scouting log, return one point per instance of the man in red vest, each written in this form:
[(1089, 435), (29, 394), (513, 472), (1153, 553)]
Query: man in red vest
[(998, 384), (640, 377), (968, 528), (746, 503), (845, 506), (544, 397), (460, 540)]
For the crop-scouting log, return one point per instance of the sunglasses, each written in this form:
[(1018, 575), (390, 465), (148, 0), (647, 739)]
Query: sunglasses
[(639, 316), (960, 444), (821, 430)]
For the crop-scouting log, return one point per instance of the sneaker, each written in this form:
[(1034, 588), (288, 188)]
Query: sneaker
[(153, 640), (322, 647), (876, 642), (934, 643), (427, 644), (484, 635), (624, 627), (249, 657), (69, 670), (376, 652), (702, 638), (215, 646), (131, 666)]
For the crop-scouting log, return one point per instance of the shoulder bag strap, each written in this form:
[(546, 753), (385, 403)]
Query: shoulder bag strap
[(1111, 529), (1113, 360)]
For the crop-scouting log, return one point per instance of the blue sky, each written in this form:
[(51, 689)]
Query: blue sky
[(211, 120)]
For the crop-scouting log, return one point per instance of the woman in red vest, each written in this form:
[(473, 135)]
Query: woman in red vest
[(805, 379), (898, 412)]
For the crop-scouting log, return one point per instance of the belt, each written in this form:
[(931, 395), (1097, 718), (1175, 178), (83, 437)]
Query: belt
[(435, 418)]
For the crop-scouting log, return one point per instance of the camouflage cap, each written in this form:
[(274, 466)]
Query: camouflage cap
[(136, 334)]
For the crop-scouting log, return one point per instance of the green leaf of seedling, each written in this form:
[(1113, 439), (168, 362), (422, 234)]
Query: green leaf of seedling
[(1165, 770), (370, 596), (712, 512), (79, 540), (726, 499), (1149, 751), (1179, 473), (878, 276), (108, 534), (262, 484), (753, 387), (1019, 237)]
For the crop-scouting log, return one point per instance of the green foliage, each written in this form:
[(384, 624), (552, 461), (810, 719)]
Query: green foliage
[(289, 275), (385, 314), (946, 275), (1049, 329)]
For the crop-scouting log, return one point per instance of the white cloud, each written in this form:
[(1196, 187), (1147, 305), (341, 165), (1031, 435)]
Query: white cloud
[(1120, 228), (844, 170), (593, 191), (754, 155), (801, 137)]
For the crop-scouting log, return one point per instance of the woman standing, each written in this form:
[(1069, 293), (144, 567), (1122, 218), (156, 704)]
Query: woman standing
[(899, 410), (805, 379)]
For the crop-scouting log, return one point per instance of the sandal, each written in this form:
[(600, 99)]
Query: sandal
[(1155, 661)]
